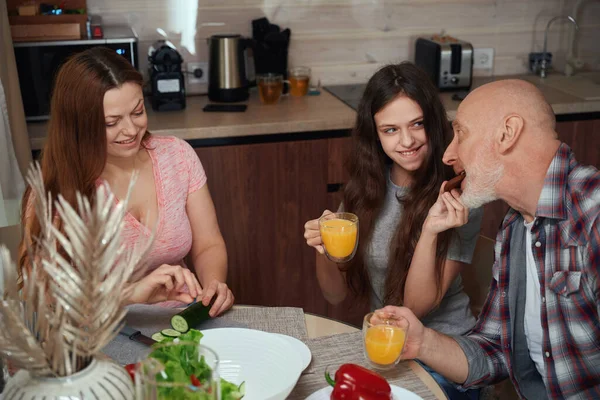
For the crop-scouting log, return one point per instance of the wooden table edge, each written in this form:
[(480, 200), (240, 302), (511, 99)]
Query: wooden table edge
[(421, 373)]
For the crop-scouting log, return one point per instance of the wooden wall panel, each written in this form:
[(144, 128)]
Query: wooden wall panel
[(344, 41)]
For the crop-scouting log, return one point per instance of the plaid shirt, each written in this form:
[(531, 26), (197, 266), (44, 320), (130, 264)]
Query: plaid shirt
[(566, 248)]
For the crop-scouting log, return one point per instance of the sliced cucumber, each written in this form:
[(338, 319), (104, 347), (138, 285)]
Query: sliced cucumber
[(242, 388), (170, 333), (192, 316), (159, 337), (179, 323)]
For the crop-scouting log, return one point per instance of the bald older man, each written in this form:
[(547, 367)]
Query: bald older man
[(540, 325)]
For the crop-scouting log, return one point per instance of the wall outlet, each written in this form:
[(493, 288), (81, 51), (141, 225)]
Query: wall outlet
[(201, 68), (483, 58)]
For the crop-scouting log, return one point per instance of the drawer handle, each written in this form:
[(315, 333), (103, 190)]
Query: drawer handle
[(334, 187)]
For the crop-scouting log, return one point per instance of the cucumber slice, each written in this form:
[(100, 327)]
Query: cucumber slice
[(170, 333), (179, 323), (192, 316), (159, 337), (242, 388)]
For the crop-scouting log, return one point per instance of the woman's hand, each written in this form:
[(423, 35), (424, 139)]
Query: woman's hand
[(312, 233), (167, 282), (223, 301), (446, 213)]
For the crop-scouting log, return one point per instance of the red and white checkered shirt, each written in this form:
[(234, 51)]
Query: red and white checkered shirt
[(566, 248)]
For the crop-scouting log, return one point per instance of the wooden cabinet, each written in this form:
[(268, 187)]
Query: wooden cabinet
[(263, 194), (582, 136)]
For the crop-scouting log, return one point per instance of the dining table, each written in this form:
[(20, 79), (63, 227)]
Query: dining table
[(331, 343)]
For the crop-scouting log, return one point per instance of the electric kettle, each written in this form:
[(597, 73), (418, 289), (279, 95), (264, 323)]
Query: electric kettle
[(231, 68)]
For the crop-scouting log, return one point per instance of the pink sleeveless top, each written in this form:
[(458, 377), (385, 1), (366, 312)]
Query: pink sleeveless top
[(177, 173)]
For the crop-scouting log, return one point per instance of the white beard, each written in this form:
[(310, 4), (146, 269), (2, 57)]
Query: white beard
[(480, 184)]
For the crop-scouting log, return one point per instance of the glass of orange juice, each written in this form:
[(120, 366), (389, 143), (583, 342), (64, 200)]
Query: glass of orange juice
[(339, 232), (384, 337)]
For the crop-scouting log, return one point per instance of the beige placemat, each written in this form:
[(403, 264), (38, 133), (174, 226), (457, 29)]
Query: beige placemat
[(285, 320), (336, 350)]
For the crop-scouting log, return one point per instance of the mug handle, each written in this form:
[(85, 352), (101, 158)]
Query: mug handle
[(286, 82)]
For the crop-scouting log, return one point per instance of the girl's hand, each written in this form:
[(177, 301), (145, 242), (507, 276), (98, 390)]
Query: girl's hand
[(446, 213), (312, 233), (167, 282)]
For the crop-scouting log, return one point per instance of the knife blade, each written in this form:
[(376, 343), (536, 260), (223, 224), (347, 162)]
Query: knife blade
[(136, 336)]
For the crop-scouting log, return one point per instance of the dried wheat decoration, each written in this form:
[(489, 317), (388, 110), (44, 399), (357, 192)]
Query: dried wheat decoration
[(72, 300)]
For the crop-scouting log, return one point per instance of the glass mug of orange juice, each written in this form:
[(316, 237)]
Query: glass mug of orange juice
[(298, 79), (384, 337), (270, 87), (339, 233)]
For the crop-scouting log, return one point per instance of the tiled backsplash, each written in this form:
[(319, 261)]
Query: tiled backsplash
[(344, 41)]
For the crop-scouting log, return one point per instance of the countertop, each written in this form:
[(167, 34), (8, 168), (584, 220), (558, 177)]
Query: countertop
[(312, 113), (561, 101), (290, 115)]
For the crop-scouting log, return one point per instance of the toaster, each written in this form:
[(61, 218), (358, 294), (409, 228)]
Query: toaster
[(447, 60)]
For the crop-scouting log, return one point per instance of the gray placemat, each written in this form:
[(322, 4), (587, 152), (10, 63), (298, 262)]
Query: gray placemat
[(285, 320), (336, 350), (150, 319)]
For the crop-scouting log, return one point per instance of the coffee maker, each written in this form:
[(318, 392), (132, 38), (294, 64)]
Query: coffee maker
[(231, 68), (166, 77)]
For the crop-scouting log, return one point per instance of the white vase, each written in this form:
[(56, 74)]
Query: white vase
[(102, 379)]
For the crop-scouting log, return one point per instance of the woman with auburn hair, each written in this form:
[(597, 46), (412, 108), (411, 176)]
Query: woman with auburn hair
[(409, 252), (97, 135)]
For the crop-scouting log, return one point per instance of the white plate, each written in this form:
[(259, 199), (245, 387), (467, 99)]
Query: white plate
[(269, 364), (397, 392), (300, 347)]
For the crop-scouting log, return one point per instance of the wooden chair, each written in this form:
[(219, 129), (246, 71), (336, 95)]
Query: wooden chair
[(478, 275)]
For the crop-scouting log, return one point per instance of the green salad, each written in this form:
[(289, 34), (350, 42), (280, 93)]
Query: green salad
[(193, 373)]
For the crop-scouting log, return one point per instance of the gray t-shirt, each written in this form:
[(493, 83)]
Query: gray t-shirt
[(453, 316)]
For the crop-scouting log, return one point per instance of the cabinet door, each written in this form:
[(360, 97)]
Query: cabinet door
[(582, 137), (263, 194)]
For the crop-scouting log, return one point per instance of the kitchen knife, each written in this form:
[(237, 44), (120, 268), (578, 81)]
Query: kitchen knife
[(136, 336)]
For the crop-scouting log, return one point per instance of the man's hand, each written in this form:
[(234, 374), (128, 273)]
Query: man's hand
[(416, 331)]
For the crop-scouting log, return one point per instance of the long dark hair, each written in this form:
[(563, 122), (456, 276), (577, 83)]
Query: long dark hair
[(75, 152), (365, 191)]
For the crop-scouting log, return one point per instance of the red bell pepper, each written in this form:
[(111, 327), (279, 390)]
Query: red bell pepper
[(130, 368), (353, 382)]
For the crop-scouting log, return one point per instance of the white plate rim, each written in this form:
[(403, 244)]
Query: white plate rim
[(302, 348), (397, 391)]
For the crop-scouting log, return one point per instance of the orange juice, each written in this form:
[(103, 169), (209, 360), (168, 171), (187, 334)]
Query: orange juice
[(384, 343), (339, 237)]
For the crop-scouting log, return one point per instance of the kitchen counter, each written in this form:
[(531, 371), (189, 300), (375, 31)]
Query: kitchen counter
[(562, 102), (290, 115), (305, 114)]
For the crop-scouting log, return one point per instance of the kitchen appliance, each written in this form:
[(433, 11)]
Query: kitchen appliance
[(166, 77), (38, 62), (271, 45), (231, 68), (447, 60)]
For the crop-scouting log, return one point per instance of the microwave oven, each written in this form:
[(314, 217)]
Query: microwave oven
[(38, 63)]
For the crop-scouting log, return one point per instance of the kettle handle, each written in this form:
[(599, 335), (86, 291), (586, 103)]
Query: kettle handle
[(249, 44)]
